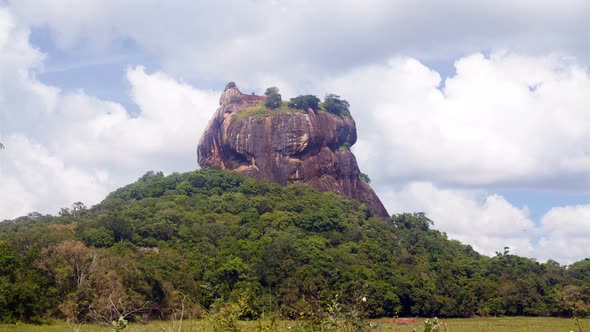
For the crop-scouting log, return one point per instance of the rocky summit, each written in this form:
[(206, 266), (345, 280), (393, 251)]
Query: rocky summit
[(285, 146)]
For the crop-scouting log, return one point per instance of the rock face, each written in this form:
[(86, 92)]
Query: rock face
[(286, 147)]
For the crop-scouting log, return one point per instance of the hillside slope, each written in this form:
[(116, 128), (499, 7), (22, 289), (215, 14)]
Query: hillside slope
[(210, 238)]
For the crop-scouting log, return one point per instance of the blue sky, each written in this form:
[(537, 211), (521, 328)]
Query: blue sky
[(474, 114)]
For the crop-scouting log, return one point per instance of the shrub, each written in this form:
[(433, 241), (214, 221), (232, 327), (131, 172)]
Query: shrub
[(364, 177)]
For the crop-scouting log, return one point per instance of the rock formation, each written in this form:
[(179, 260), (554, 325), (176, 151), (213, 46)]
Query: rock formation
[(285, 147)]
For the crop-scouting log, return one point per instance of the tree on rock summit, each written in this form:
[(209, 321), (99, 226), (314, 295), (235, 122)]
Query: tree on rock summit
[(273, 98)]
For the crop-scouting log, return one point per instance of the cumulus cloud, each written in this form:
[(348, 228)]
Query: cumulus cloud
[(99, 132), (565, 234), (34, 179), (67, 146), (17, 57), (503, 121), (487, 222), (303, 39)]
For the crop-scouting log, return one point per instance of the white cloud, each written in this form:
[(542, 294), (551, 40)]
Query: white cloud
[(304, 39), (566, 234), (16, 58), (487, 222), (34, 179), (16, 200), (99, 132), (504, 121), (67, 146)]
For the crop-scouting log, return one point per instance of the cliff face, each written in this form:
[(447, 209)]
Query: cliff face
[(286, 147)]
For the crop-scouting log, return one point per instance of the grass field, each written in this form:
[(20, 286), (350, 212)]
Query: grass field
[(520, 324)]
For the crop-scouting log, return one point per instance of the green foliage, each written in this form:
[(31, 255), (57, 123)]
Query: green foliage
[(273, 98), (98, 237), (365, 178), (119, 324), (305, 102), (333, 104), (242, 248)]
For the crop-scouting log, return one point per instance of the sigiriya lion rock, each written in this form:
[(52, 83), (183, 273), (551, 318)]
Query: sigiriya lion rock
[(285, 146)]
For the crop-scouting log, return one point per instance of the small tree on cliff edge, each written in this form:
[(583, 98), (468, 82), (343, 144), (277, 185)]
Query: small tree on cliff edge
[(273, 98), (333, 104)]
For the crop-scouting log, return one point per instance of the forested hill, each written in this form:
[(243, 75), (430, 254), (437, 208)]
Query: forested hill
[(210, 238)]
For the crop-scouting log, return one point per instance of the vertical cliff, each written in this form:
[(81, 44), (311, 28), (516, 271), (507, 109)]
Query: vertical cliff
[(310, 147)]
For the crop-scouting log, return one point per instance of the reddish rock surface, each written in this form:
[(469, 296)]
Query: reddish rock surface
[(292, 147)]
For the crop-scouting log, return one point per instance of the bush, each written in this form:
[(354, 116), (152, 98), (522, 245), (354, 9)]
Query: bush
[(273, 98), (305, 102), (365, 178), (333, 104)]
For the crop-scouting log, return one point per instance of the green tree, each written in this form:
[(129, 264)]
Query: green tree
[(304, 102), (574, 301), (23, 292), (98, 237), (333, 104), (273, 98)]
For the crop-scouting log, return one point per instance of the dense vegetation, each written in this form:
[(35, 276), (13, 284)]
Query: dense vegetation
[(210, 239)]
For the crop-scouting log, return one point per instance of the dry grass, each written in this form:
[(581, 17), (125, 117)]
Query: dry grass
[(262, 111), (495, 324)]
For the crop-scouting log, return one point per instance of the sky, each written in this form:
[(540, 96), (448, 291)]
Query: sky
[(475, 113)]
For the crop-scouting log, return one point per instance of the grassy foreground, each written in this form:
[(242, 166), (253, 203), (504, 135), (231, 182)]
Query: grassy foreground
[(520, 324)]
